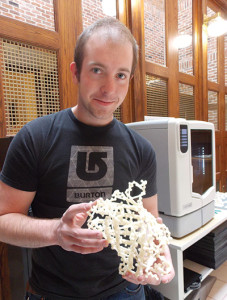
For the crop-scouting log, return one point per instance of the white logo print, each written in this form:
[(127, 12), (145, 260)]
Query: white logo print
[(91, 173)]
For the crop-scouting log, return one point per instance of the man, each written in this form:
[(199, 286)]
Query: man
[(58, 164)]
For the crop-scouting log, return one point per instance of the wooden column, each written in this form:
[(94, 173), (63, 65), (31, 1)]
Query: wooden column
[(172, 57), (123, 14), (139, 83), (197, 18), (68, 23)]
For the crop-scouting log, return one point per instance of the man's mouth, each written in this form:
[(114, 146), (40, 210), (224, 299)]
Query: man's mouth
[(104, 102)]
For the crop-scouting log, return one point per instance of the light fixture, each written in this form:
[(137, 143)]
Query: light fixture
[(215, 25), (109, 7), (183, 40)]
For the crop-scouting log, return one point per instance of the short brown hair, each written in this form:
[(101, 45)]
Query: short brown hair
[(107, 24)]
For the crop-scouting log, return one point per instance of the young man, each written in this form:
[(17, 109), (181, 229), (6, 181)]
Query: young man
[(57, 164)]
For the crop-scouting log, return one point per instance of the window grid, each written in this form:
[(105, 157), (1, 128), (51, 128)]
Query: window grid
[(187, 101), (30, 83), (157, 96), (213, 108)]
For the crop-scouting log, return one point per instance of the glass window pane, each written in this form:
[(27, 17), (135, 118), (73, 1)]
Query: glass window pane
[(212, 66), (213, 108), (155, 40), (94, 10), (185, 50), (38, 13), (157, 96), (187, 101)]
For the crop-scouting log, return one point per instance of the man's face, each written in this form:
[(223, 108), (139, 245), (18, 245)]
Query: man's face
[(104, 79)]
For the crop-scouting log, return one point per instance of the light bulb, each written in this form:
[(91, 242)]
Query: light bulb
[(183, 41), (109, 7), (217, 27)]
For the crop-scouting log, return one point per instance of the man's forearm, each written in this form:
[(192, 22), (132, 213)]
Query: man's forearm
[(23, 231)]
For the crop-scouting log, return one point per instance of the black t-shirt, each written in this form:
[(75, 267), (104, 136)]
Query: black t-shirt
[(68, 162)]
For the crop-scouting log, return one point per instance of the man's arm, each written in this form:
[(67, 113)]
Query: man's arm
[(18, 229), (151, 204)]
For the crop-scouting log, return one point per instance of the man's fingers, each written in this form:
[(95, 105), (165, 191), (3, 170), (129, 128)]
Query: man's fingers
[(84, 233), (87, 243), (72, 237), (141, 279), (74, 209), (159, 220)]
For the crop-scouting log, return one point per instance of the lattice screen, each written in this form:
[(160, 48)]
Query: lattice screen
[(30, 83), (117, 113), (213, 108), (157, 96), (187, 101)]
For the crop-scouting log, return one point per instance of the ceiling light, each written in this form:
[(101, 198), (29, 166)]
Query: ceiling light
[(109, 7), (183, 40), (216, 25)]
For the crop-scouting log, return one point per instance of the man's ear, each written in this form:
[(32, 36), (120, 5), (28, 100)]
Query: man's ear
[(74, 71)]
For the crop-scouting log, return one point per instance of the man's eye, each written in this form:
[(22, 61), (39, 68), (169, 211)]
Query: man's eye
[(96, 70), (121, 76)]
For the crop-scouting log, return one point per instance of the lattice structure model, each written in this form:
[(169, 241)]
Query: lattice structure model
[(133, 232)]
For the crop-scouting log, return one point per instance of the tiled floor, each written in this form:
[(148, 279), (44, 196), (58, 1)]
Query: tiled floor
[(219, 289)]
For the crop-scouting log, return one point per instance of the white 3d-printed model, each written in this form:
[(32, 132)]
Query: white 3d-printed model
[(133, 232)]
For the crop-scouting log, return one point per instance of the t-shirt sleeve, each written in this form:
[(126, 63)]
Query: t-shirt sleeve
[(20, 169)]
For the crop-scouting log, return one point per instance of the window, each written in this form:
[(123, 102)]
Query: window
[(187, 107), (185, 53), (212, 54), (30, 83), (213, 108), (157, 96), (38, 13), (155, 37)]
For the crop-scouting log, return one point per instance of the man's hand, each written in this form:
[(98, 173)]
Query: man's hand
[(72, 237), (152, 280)]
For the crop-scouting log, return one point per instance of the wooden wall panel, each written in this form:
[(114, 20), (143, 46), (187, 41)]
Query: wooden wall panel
[(69, 26), (123, 14), (197, 15), (172, 57), (20, 31), (4, 273), (139, 84), (224, 177), (4, 268)]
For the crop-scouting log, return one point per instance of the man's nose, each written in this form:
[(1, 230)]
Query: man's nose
[(108, 85)]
